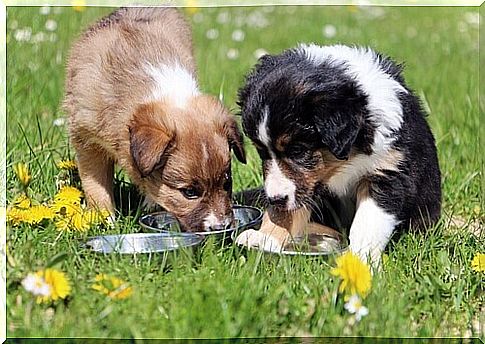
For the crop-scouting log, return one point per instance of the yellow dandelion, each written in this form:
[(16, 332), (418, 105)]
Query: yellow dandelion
[(478, 262), (191, 6), (81, 220), (16, 216), (65, 208), (38, 213), (22, 201), (68, 194), (66, 165), (355, 275), (113, 287), (58, 283), (23, 173), (78, 5)]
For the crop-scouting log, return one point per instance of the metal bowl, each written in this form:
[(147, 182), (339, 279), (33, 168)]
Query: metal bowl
[(141, 242), (310, 245), (164, 222)]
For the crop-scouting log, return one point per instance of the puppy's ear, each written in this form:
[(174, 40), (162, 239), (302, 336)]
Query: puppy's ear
[(150, 138), (235, 139), (338, 112)]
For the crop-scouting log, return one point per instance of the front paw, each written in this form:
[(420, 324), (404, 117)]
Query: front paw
[(256, 239)]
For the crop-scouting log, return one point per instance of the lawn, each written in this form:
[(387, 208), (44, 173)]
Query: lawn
[(427, 286)]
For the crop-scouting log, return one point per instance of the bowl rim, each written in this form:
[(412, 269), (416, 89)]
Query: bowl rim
[(198, 241), (204, 234), (290, 252)]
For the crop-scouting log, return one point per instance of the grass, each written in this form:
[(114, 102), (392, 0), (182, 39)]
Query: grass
[(427, 287)]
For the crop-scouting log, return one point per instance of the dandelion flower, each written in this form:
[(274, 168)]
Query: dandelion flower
[(355, 275), (36, 285), (82, 220), (16, 216), (78, 5), (113, 287), (58, 283), (22, 201), (478, 262), (23, 173), (354, 306), (68, 194), (66, 165), (191, 6), (38, 213)]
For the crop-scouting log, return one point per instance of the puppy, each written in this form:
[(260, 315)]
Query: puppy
[(339, 123), (133, 99)]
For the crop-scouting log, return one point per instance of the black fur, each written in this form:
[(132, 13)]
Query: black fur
[(322, 108)]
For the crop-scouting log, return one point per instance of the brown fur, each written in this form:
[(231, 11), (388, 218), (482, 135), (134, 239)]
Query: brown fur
[(161, 147), (283, 225)]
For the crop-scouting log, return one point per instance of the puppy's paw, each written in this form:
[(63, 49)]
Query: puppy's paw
[(257, 239)]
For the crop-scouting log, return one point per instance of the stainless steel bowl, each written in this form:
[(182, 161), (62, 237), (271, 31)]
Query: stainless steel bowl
[(141, 242), (311, 245), (163, 222)]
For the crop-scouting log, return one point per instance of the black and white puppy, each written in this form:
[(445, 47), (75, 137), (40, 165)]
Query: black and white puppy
[(340, 121)]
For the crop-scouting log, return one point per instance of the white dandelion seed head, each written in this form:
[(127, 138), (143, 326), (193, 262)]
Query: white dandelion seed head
[(329, 31), (212, 34), (39, 37), (45, 10), (223, 17), (258, 53), (51, 25), (198, 17), (23, 35), (257, 19), (232, 54), (36, 285), (238, 35), (472, 18), (59, 122)]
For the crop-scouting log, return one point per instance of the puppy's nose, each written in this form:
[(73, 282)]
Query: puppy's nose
[(278, 200)]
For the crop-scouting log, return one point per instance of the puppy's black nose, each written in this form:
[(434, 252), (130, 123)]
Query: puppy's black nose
[(278, 201)]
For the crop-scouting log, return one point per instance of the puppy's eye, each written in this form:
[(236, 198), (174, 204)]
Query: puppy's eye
[(190, 193), (227, 182), (296, 150)]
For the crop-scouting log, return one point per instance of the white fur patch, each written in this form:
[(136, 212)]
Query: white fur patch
[(263, 130), (257, 239), (211, 221), (172, 82), (343, 182), (381, 89), (371, 230), (277, 184)]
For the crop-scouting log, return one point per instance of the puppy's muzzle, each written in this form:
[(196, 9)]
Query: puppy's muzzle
[(280, 201)]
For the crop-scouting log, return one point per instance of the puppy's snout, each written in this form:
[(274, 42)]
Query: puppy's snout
[(278, 200), (216, 223)]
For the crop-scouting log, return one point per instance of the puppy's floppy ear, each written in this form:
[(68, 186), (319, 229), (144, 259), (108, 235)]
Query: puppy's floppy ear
[(338, 114), (150, 138), (235, 139)]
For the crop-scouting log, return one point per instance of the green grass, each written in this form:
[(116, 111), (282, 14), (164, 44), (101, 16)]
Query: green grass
[(427, 287)]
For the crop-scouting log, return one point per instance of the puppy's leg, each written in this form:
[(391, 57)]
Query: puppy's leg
[(276, 230), (96, 172), (371, 228)]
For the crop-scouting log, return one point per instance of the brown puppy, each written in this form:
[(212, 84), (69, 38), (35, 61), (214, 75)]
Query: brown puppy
[(133, 99)]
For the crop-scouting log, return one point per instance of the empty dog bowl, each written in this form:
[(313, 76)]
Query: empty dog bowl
[(244, 217), (309, 245), (141, 242)]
